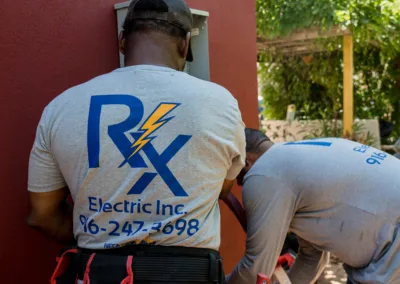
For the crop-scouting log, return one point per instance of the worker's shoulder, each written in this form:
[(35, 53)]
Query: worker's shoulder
[(206, 92), (206, 87), (258, 183), (78, 92)]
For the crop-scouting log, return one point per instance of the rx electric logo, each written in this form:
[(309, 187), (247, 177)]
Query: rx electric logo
[(143, 138)]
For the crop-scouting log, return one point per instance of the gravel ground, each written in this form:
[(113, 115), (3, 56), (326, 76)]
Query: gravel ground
[(333, 274)]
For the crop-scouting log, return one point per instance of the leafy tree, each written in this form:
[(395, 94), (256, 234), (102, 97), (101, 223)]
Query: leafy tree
[(314, 82)]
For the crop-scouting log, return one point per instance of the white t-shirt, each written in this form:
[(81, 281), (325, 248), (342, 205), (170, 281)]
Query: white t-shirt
[(144, 151)]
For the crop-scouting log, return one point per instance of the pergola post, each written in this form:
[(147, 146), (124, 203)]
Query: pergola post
[(348, 99)]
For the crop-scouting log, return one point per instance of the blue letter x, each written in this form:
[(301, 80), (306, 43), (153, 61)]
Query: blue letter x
[(160, 164)]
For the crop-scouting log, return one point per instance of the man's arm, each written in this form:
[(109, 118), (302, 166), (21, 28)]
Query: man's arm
[(48, 190), (52, 215), (309, 263), (236, 207), (269, 207), (226, 189)]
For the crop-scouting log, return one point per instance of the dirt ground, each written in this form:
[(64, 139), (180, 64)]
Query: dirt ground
[(333, 274)]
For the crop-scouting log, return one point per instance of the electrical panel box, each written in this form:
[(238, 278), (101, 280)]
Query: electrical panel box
[(200, 67)]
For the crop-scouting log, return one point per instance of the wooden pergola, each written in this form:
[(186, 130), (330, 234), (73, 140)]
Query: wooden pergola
[(304, 42)]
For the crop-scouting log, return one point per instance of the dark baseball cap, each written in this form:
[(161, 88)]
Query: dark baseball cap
[(174, 12)]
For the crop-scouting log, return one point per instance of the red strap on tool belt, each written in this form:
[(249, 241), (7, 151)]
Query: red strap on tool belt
[(129, 278), (108, 269), (66, 269)]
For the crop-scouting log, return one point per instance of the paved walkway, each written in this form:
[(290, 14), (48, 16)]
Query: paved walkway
[(333, 274)]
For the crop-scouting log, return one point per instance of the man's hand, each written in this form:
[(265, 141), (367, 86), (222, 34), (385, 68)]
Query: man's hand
[(52, 215)]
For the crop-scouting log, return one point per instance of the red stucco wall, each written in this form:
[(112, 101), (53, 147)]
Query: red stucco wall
[(48, 46)]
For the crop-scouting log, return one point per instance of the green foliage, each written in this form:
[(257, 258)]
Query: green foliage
[(315, 89), (371, 19), (315, 85)]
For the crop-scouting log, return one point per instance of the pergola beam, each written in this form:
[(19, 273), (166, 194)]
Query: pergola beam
[(300, 41), (348, 100), (266, 44), (300, 50), (306, 35)]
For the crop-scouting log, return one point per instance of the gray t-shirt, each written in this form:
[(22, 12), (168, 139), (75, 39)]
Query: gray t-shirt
[(335, 195), (144, 151)]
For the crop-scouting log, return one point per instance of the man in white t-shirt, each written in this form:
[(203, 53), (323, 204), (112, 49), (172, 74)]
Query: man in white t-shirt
[(144, 152), (336, 195)]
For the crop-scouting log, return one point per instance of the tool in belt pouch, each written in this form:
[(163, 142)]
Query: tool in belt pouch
[(139, 265)]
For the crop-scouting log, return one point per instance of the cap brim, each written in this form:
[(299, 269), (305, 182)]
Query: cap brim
[(189, 56)]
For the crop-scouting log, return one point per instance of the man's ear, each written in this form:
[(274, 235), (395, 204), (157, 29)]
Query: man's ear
[(122, 42), (184, 47)]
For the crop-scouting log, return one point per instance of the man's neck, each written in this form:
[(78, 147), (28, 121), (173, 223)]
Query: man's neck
[(149, 61), (145, 51), (266, 146)]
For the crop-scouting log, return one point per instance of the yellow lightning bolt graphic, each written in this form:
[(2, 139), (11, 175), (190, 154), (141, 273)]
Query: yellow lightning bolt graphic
[(151, 125)]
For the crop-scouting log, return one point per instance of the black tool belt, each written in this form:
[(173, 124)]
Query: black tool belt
[(144, 264)]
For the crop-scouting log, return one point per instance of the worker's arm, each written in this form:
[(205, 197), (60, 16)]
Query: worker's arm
[(226, 189), (269, 207), (236, 207), (52, 215), (48, 191), (237, 147), (310, 263)]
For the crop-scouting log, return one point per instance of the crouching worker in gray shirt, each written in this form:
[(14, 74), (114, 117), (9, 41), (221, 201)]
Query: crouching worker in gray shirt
[(336, 195)]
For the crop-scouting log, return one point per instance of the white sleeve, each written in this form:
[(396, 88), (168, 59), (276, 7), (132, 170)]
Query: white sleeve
[(238, 149), (44, 173), (269, 206)]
